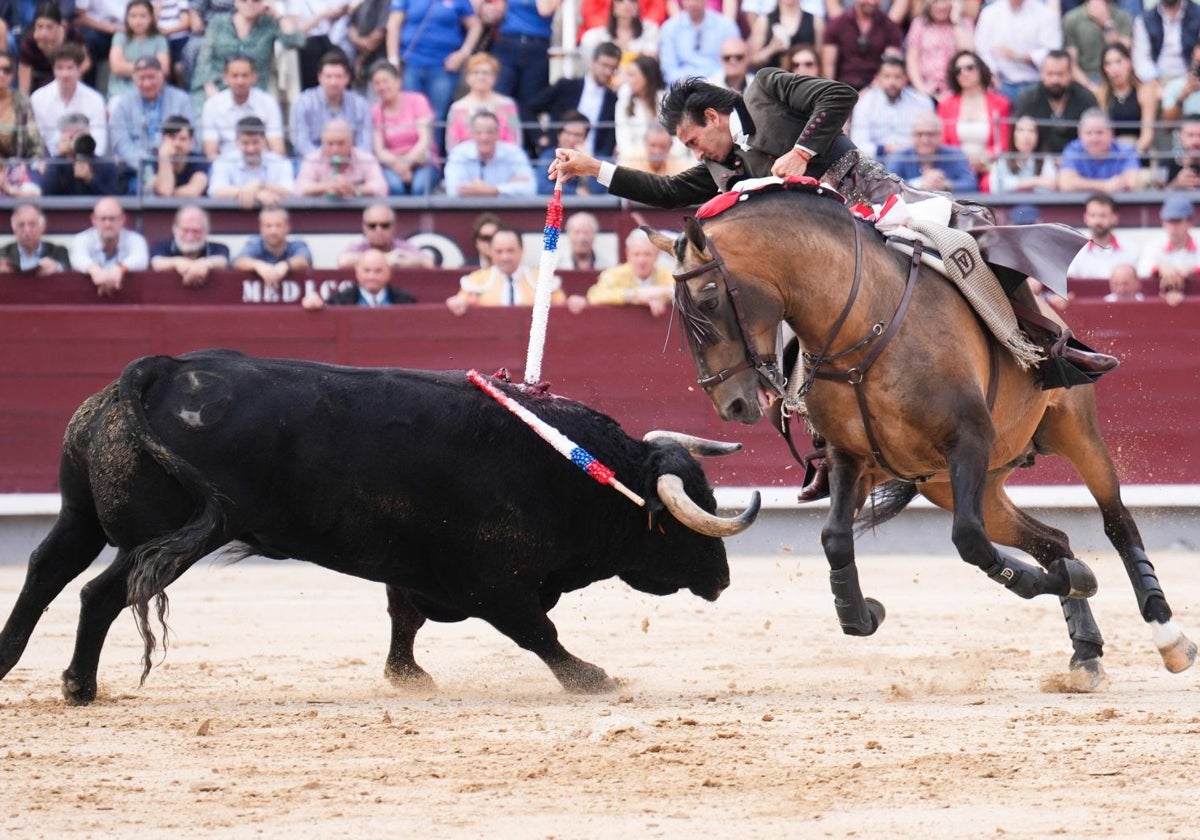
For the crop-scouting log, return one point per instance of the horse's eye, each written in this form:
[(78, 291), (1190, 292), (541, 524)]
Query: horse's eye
[(710, 304)]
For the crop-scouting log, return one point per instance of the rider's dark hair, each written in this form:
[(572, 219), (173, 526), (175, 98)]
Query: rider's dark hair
[(691, 98)]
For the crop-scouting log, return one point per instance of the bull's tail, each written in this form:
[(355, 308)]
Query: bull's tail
[(889, 499), (158, 562)]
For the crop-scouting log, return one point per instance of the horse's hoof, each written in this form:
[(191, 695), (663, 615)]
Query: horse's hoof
[(867, 625), (1088, 675), (1081, 583), (1178, 655)]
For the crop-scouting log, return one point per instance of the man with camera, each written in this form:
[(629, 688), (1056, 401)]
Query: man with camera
[(75, 169), (68, 95)]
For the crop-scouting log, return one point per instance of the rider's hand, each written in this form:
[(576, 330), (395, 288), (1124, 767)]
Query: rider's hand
[(794, 162)]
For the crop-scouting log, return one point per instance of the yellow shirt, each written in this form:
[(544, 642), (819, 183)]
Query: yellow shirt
[(486, 287), (615, 283)]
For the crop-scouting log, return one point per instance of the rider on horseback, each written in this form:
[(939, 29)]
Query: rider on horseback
[(791, 125)]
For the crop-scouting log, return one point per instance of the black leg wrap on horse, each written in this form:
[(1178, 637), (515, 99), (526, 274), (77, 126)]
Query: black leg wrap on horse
[(1081, 624), (1146, 587), (1015, 576), (853, 612)]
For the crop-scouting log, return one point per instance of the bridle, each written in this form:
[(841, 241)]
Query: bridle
[(766, 365)]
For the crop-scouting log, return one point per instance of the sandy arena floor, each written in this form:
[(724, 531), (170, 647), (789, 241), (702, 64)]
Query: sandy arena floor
[(750, 717)]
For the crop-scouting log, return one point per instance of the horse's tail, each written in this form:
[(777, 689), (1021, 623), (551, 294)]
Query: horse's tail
[(156, 563), (887, 500)]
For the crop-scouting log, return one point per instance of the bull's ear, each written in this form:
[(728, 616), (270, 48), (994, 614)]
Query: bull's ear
[(694, 233), (659, 239)]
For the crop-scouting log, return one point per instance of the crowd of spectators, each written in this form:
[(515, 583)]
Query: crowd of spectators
[(406, 97)]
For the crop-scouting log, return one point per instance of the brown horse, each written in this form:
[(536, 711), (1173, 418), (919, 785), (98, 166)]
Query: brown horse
[(911, 392)]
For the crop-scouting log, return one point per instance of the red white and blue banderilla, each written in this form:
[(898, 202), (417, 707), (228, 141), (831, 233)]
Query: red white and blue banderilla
[(544, 291), (566, 447)]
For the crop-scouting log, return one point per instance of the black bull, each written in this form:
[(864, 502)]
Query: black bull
[(415, 479)]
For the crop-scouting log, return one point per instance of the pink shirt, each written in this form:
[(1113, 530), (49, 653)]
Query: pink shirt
[(400, 127)]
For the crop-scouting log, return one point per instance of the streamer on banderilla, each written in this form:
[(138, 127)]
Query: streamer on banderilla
[(566, 447), (545, 289)]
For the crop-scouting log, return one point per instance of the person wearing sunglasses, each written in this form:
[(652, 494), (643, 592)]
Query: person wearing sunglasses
[(379, 233), (735, 73)]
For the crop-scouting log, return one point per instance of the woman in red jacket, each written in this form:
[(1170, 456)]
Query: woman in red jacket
[(974, 118)]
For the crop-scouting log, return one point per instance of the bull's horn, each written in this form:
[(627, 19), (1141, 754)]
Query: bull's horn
[(695, 445), (670, 490)]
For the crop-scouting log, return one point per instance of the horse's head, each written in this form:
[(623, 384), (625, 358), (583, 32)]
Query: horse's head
[(730, 322)]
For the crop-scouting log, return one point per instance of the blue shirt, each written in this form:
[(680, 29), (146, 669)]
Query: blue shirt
[(1120, 158), (951, 161), (522, 18), (508, 170), (256, 249), (432, 29)]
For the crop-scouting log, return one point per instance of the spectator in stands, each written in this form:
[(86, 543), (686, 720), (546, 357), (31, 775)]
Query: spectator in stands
[(253, 175), (1124, 286), (29, 252), (1096, 161), (1181, 96), (628, 28), (74, 168), (572, 134), (1015, 37), (639, 281), (481, 95), (505, 283), (486, 165), (638, 97), (591, 95), (137, 121), (136, 39), (482, 231), (1056, 102), (201, 14), (1023, 168), (270, 254), (690, 42), (1088, 29), (883, 118), (735, 72), (240, 98), (855, 42), (339, 169), (522, 46), (1183, 171), (68, 95), (372, 286), (1103, 255), (1172, 257), (189, 252), (1163, 39), (430, 43), (1132, 105), (250, 32), (35, 63), (402, 123), (179, 172), (332, 99), (98, 21), (379, 233), (786, 26), (660, 154), (174, 21), (106, 251), (804, 60), (581, 229), (366, 36), (20, 140), (939, 32), (593, 13), (928, 164), (974, 117), (317, 19)]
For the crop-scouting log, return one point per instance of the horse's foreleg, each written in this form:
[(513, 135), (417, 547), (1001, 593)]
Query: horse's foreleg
[(857, 615), (1072, 429), (1064, 576)]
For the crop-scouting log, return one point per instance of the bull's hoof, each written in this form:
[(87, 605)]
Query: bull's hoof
[(584, 678), (1079, 580), (866, 625), (413, 678), (78, 692), (1179, 655), (1088, 675)]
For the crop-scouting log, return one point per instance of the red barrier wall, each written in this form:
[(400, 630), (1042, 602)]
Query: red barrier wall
[(53, 356)]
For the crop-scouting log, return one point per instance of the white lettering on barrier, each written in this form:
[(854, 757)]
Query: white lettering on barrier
[(290, 291)]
